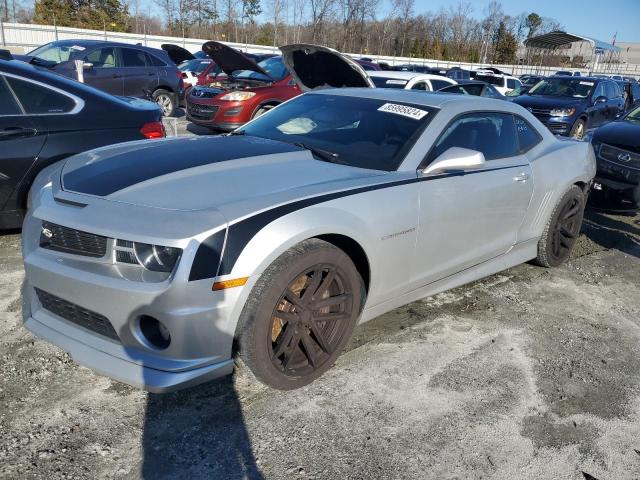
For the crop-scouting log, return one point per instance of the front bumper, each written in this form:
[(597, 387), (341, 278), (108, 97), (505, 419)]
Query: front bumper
[(201, 322), (557, 125), (219, 115)]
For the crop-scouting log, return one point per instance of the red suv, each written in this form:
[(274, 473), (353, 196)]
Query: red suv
[(245, 90)]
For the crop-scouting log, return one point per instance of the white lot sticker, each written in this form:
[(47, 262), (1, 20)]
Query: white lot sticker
[(587, 83), (403, 110), (78, 47), (396, 82)]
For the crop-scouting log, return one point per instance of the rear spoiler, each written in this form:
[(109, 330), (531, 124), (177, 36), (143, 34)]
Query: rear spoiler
[(5, 55)]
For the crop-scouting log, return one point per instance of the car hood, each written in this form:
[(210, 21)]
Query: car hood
[(176, 53), (314, 66), (539, 101), (230, 60), (623, 134), (199, 173)]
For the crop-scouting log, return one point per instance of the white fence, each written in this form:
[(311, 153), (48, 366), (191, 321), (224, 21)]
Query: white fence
[(27, 37)]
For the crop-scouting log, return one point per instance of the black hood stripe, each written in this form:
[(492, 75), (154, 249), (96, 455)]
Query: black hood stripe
[(111, 174), (239, 234)]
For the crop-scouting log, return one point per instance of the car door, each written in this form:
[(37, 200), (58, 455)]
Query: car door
[(103, 71), (137, 74), (21, 138), (597, 112), (468, 217)]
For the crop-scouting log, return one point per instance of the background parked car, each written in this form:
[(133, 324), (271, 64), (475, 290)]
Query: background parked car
[(473, 87), (501, 81), (457, 73), (568, 73), (410, 80), (617, 148), (46, 117), (116, 68), (570, 105)]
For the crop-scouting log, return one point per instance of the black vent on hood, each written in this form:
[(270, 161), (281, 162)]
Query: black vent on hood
[(320, 69)]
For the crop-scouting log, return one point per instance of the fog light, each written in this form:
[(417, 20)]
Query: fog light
[(154, 332)]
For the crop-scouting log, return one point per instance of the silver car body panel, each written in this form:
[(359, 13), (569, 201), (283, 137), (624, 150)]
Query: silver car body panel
[(487, 220)]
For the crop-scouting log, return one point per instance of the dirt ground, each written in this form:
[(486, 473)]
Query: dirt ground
[(528, 374)]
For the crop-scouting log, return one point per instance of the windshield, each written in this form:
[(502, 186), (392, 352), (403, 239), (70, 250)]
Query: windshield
[(362, 132), (57, 53), (196, 65), (383, 82), (634, 115), (274, 66), (563, 87)]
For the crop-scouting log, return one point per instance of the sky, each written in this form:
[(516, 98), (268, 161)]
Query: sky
[(598, 19)]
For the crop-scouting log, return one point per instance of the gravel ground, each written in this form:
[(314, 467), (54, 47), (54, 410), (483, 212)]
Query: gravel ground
[(528, 374)]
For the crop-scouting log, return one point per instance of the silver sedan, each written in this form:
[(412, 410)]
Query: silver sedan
[(159, 263)]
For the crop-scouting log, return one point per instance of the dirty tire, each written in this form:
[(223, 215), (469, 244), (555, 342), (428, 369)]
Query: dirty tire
[(166, 101), (562, 230), (300, 314), (578, 129), (260, 111)]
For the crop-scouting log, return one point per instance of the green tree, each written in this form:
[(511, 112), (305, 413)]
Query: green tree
[(505, 45), (533, 23), (54, 12)]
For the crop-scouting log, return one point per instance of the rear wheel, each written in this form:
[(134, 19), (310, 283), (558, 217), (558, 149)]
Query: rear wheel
[(300, 315), (562, 230), (166, 100)]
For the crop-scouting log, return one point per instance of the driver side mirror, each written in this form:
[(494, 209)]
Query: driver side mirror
[(87, 65), (600, 99), (455, 158)]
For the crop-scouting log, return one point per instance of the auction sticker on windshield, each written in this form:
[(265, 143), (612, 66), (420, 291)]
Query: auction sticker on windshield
[(403, 110)]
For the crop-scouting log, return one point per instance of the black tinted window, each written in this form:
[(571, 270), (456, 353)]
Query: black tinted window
[(8, 105), (36, 99), (493, 134), (527, 135), (419, 86), (133, 58), (156, 62), (102, 58), (438, 84)]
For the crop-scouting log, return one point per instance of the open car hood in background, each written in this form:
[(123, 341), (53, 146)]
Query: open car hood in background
[(230, 60), (177, 53), (313, 66)]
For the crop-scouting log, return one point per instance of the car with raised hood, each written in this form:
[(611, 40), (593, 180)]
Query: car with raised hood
[(570, 106), (245, 90), (410, 80), (45, 118), (617, 148), (117, 68), (273, 242)]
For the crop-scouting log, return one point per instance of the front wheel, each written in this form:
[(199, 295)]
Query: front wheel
[(166, 100), (562, 230), (578, 129), (300, 315)]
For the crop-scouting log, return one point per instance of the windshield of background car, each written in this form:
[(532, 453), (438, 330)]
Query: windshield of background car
[(363, 132), (197, 65), (383, 82), (54, 52), (274, 66), (563, 87)]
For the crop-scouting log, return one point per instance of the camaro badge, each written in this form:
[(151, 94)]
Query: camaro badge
[(47, 233)]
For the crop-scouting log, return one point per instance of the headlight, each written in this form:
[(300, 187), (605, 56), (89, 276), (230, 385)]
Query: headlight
[(562, 112), (156, 258), (237, 96)]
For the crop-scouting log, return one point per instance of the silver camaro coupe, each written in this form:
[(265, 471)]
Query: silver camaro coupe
[(159, 263)]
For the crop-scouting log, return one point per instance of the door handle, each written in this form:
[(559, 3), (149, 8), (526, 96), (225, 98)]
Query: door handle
[(521, 178), (17, 132)]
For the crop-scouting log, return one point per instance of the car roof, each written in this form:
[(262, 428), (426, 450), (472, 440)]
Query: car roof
[(420, 97), (405, 75)]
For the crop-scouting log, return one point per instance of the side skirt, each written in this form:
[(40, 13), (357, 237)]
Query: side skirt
[(520, 253)]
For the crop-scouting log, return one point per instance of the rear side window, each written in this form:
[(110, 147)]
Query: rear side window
[(419, 86), (491, 133), (438, 84), (511, 83), (156, 62), (528, 136), (8, 105), (133, 58), (36, 99)]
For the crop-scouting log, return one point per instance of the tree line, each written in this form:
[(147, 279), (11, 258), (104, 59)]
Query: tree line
[(366, 27)]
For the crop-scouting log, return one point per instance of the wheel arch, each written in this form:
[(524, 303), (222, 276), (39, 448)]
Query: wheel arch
[(354, 251)]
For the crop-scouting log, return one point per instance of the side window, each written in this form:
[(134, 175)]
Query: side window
[(493, 134), (133, 58), (528, 136), (511, 83), (599, 92), (36, 99), (491, 92), (419, 86), (438, 84), (102, 58), (8, 105), (155, 61)]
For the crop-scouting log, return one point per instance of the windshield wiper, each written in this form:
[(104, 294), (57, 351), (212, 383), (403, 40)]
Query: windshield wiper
[(324, 155)]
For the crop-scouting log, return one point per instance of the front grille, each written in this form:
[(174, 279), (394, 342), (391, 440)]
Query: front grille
[(69, 240), (76, 314), (619, 156), (203, 112), (544, 112)]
